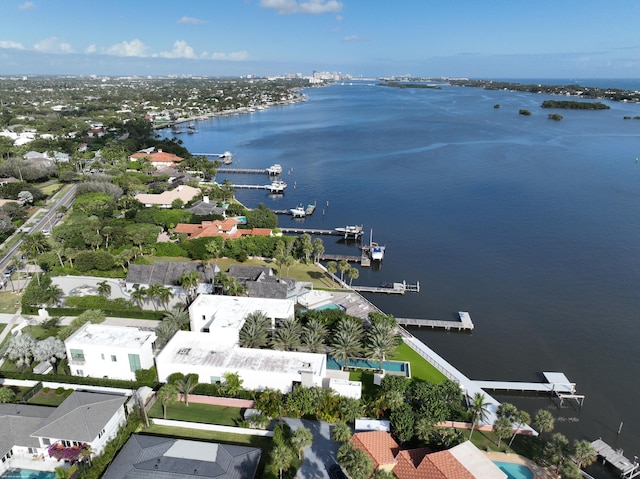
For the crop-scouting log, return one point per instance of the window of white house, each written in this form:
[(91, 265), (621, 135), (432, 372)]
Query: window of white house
[(215, 379), (46, 441), (113, 358), (134, 362), (102, 355), (77, 355), (79, 372)]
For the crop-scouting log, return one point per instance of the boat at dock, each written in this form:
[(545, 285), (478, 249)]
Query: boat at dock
[(310, 209), (191, 129), (274, 170), (298, 212), (376, 251), (226, 157), (350, 230), (277, 186)]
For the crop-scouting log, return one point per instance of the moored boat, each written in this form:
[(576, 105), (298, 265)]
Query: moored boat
[(274, 169), (298, 212)]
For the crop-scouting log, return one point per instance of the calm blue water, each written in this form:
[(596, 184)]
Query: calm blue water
[(531, 225), (514, 470), (27, 474)]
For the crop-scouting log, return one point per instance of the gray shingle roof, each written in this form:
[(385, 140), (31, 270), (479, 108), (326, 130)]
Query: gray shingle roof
[(165, 272), (201, 208), (17, 422), (267, 289), (249, 273), (154, 457), (80, 417)]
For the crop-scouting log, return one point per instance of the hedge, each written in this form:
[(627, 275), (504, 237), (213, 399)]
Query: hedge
[(118, 313), (86, 380)]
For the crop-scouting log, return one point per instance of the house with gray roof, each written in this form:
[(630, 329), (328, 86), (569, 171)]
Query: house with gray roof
[(261, 282), (17, 422), (168, 273), (154, 457), (84, 417), (204, 207)]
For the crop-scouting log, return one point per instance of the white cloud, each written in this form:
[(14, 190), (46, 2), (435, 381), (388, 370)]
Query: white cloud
[(339, 18), (11, 44), (180, 50), (27, 6), (233, 56), (53, 45), (302, 6), (91, 49), (191, 21), (134, 48), (355, 38)]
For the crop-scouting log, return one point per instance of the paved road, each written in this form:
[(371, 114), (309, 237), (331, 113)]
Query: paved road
[(322, 452)]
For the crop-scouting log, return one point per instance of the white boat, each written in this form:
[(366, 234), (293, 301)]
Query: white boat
[(376, 251), (227, 157), (298, 212), (350, 230), (274, 169), (277, 186)]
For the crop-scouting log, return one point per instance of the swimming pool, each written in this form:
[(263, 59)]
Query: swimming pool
[(329, 306), (513, 470), (395, 367), (27, 474)]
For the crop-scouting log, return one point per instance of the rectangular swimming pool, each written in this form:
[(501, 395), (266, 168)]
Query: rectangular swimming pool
[(27, 474), (513, 470), (395, 367)]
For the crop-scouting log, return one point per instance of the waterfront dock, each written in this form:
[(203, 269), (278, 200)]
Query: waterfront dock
[(556, 383), (341, 257), (243, 171), (615, 457), (465, 323), (315, 231), (393, 288)]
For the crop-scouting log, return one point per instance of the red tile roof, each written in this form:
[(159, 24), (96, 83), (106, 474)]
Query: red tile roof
[(379, 445), (158, 157), (224, 228)]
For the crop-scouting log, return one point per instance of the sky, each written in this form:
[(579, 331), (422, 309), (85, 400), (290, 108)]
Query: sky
[(444, 38)]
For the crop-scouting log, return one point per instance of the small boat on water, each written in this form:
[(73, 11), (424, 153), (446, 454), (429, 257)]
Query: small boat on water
[(310, 209), (350, 230), (191, 129), (176, 130), (376, 251), (298, 212), (226, 157), (274, 170)]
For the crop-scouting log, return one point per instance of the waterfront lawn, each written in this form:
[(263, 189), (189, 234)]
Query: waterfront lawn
[(420, 367), (264, 443), (202, 413)]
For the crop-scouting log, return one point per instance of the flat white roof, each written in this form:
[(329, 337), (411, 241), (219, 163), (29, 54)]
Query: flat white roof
[(230, 311), (113, 336), (198, 349)]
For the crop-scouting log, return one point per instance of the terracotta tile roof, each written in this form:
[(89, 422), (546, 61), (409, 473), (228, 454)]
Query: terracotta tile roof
[(158, 157), (379, 445), (224, 228)]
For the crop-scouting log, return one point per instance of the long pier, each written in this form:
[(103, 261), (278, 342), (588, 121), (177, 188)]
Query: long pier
[(243, 171), (628, 469), (394, 288), (341, 257), (465, 323), (311, 231)]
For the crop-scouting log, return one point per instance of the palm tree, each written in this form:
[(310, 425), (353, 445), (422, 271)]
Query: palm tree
[(318, 249), (522, 418), (503, 427), (168, 393), (52, 294), (300, 439), (344, 346), (51, 350), (185, 386), (177, 317), (313, 336), (353, 273), (287, 335), (543, 421), (164, 294), (232, 384), (281, 458), (190, 282), (214, 249), (20, 350), (288, 261), (341, 432), (152, 294), (583, 453), (104, 289), (255, 330), (343, 267), (332, 268), (164, 332), (478, 409), (382, 341), (139, 294)]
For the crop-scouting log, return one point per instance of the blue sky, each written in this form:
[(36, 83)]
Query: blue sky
[(455, 38)]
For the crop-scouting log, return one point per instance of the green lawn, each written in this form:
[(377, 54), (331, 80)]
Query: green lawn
[(39, 333), (49, 188), (366, 378), (203, 413), (420, 367), (2, 326), (9, 302), (50, 397)]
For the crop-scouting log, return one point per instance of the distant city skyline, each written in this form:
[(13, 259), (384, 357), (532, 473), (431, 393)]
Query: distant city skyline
[(459, 38)]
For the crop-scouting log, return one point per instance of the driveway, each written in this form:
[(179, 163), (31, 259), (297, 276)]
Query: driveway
[(322, 452)]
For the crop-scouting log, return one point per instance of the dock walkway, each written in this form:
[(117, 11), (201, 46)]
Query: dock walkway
[(627, 469), (243, 171), (465, 323), (394, 288)]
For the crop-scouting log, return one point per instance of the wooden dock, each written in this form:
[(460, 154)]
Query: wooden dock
[(465, 323), (627, 469), (393, 288), (243, 171), (341, 257), (310, 231), (556, 384)]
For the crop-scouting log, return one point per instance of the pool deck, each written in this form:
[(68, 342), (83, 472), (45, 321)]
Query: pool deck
[(538, 471)]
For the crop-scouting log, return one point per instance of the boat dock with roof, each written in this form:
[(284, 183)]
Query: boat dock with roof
[(615, 457)]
